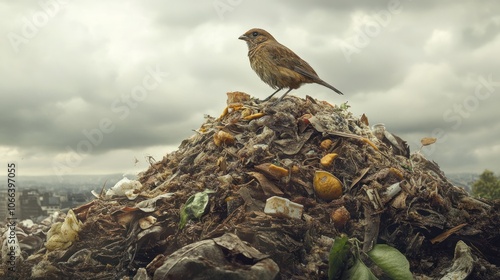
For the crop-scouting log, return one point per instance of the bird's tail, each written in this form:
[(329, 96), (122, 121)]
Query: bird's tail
[(323, 83), (314, 78)]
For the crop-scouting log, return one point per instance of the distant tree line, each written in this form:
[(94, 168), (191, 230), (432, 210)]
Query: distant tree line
[(487, 186)]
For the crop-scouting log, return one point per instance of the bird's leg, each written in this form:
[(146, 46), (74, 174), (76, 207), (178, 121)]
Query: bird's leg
[(283, 96), (269, 97)]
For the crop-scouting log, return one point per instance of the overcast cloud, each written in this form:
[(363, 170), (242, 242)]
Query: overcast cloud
[(90, 86)]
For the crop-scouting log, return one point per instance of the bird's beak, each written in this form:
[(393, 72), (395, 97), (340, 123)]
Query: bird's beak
[(243, 37)]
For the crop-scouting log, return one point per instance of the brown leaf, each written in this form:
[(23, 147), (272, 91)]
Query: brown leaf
[(446, 234), (125, 218), (364, 119), (399, 201), (267, 186), (361, 175), (372, 227), (367, 141), (292, 146), (426, 141), (82, 210)]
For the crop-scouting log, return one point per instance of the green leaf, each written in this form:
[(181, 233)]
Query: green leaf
[(344, 106), (337, 257), (359, 271), (194, 207), (391, 261)]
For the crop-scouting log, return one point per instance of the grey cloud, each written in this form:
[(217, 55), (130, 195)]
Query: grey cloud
[(67, 77)]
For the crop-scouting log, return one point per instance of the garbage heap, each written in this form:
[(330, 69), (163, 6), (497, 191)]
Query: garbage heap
[(262, 192)]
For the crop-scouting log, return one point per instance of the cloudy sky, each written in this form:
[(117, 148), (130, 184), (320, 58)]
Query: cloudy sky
[(90, 86)]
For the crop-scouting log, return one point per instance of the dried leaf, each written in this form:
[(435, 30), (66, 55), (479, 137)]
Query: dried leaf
[(397, 172), (367, 141), (222, 164), (224, 113), (446, 234), (426, 141), (222, 137), (317, 124), (364, 119), (253, 116), (293, 146), (385, 175), (400, 147), (399, 201), (303, 122), (234, 244), (82, 211), (372, 222), (357, 179), (149, 205), (267, 186), (147, 222)]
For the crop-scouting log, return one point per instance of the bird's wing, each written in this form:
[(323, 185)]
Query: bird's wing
[(313, 76), (284, 57)]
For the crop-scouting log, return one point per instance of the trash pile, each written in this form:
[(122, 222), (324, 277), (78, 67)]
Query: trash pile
[(301, 189)]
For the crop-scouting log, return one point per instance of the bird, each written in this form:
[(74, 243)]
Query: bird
[(277, 65)]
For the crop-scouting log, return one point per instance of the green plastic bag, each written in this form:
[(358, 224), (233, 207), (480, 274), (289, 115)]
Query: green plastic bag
[(194, 207)]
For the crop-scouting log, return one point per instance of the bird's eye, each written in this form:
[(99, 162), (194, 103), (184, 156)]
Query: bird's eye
[(255, 33)]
